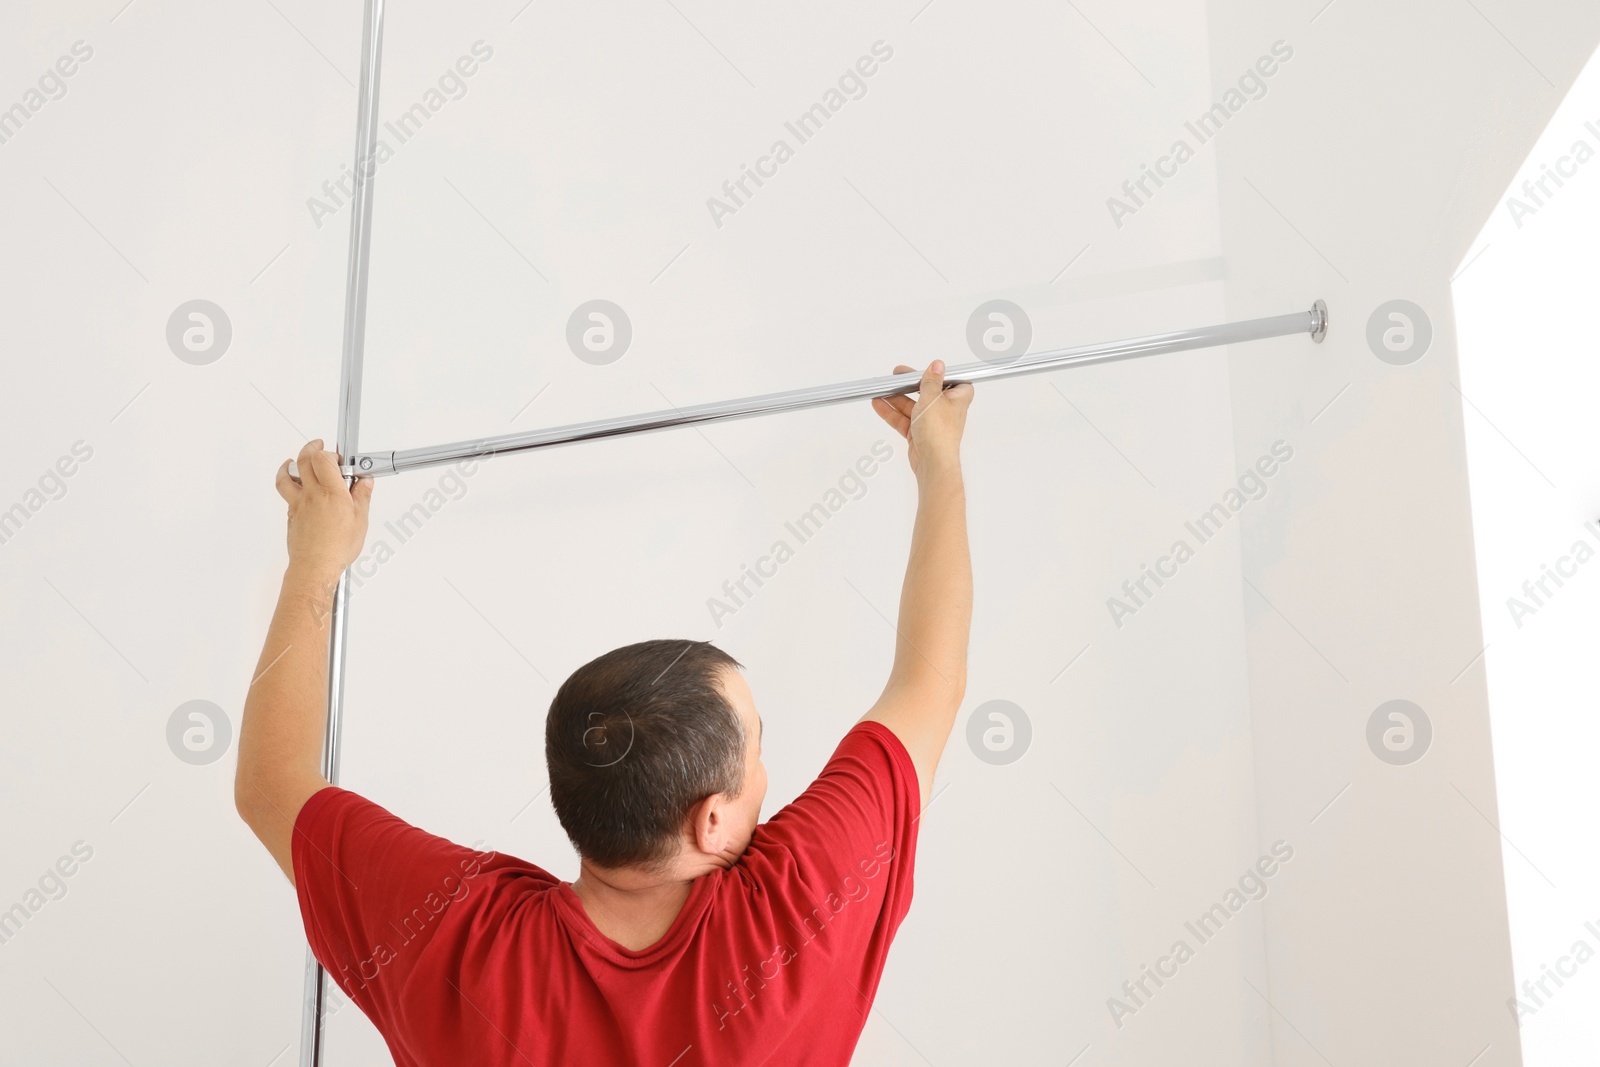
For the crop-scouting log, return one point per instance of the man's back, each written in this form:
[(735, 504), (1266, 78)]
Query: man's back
[(461, 956)]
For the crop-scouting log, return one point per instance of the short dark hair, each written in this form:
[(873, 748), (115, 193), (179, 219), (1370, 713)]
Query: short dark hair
[(634, 739)]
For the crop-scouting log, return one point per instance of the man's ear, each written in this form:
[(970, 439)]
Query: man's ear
[(707, 822)]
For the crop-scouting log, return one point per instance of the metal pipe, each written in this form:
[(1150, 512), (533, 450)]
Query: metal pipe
[(314, 1011), (1314, 322)]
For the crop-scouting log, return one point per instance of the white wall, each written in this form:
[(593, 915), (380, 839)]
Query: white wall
[(1526, 344), (1367, 177), (977, 166)]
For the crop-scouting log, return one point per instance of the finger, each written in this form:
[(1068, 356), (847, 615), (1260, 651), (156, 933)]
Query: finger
[(287, 487), (932, 383), (310, 474), (329, 477), (362, 494), (893, 416), (960, 394), (902, 403)]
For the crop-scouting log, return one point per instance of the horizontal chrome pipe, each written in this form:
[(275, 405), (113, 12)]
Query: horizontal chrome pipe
[(1314, 322)]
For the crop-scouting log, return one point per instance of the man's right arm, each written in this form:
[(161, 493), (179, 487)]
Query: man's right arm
[(929, 677)]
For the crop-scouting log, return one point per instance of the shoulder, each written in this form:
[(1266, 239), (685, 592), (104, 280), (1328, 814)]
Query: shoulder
[(871, 740), (337, 829)]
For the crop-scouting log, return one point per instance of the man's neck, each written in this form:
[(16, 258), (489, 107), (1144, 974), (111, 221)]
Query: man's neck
[(636, 908)]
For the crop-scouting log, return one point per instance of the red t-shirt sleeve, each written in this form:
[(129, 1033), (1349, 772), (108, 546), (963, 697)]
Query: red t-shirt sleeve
[(374, 892), (850, 839)]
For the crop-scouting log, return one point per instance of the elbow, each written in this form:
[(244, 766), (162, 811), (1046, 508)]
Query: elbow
[(269, 798), (241, 798), (949, 680), (943, 689), (246, 796), (957, 691)]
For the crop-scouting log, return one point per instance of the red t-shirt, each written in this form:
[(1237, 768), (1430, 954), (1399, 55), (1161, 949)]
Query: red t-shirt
[(460, 956)]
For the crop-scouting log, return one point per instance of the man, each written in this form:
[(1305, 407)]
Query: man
[(694, 935)]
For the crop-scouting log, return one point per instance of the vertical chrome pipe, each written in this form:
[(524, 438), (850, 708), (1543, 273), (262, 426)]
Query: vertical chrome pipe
[(314, 1014)]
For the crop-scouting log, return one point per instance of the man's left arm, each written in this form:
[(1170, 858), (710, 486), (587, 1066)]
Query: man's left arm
[(280, 739)]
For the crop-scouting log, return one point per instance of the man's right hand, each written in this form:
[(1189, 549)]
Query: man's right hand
[(933, 424)]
